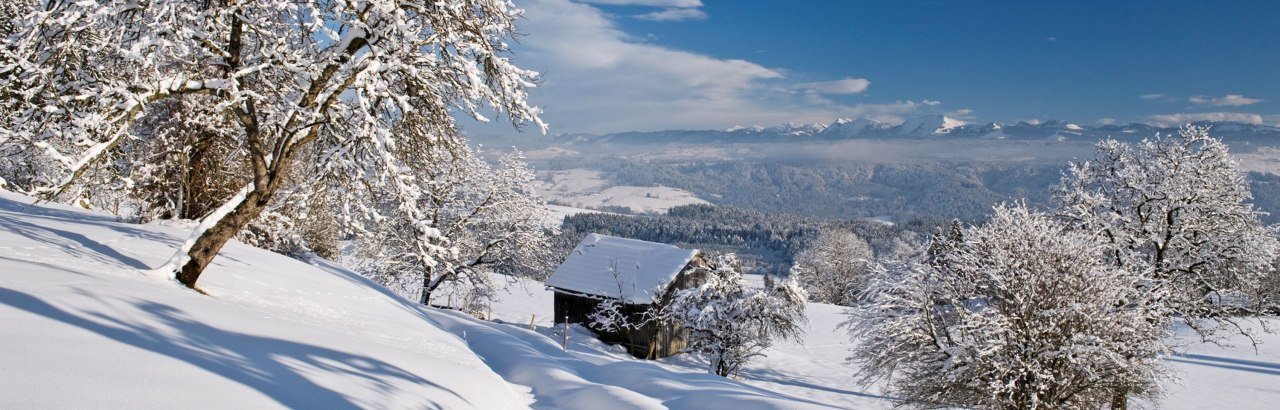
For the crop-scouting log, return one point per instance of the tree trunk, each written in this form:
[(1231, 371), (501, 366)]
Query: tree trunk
[(1120, 399), (425, 300), (208, 244), (428, 288)]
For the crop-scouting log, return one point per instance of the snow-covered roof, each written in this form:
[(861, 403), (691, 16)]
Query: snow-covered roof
[(600, 263)]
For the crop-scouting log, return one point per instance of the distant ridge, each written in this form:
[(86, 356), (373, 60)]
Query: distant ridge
[(931, 127)]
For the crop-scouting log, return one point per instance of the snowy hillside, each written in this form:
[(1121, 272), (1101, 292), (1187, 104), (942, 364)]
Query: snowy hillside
[(84, 328), (1233, 377)]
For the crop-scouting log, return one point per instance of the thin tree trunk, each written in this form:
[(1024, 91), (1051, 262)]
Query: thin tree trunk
[(428, 287), (425, 300)]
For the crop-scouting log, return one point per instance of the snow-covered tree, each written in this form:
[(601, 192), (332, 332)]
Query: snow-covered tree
[(730, 323), (491, 216), (289, 72), (833, 267), (1021, 314), (1176, 212)]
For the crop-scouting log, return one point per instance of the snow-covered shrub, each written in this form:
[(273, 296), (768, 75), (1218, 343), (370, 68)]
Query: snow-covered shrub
[(611, 316), (729, 323), (1022, 314), (833, 267), (275, 232)]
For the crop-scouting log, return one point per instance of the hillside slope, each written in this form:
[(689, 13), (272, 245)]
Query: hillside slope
[(82, 327)]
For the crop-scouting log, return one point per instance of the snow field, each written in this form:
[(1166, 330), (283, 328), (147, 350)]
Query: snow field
[(583, 188)]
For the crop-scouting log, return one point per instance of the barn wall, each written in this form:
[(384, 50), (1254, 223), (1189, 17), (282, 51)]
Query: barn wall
[(575, 308)]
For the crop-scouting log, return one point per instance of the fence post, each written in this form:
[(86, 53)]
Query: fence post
[(564, 343), (534, 316)]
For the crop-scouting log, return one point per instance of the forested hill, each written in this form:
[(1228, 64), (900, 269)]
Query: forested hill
[(766, 242)]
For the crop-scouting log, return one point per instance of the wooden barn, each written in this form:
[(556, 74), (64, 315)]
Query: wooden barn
[(635, 272)]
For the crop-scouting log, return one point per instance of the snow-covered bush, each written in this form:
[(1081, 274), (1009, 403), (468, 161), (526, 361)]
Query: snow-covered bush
[(729, 323), (609, 317), (833, 267), (1022, 314), (275, 232)]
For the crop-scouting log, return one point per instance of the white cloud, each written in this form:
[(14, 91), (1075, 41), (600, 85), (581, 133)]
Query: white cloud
[(597, 78), (674, 14), (1151, 96), (931, 103), (1229, 100), (1106, 121), (1171, 120), (963, 113), (845, 86), (652, 3)]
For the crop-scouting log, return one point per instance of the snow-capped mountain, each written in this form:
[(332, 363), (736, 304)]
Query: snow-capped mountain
[(796, 129), (863, 126), (929, 127)]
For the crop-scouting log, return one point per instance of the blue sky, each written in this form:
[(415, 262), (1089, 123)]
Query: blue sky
[(616, 65)]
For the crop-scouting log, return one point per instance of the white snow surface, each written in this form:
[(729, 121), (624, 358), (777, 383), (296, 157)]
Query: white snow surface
[(81, 326), (629, 269), (84, 328), (815, 370)]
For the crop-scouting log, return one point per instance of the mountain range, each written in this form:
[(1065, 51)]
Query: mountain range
[(931, 127)]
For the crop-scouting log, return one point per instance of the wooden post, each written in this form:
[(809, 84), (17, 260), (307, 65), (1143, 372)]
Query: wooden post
[(490, 318), (534, 316), (450, 301), (564, 343)]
